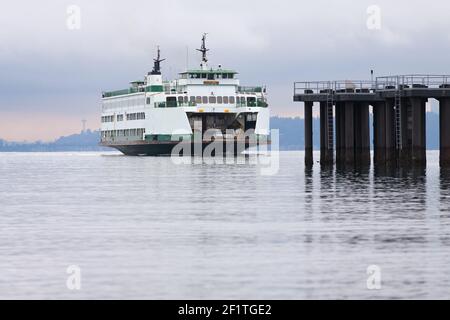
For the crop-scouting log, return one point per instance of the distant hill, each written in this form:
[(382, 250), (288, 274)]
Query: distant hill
[(291, 137), (85, 141)]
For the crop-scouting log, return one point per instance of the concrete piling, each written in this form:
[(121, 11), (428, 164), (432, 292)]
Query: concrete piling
[(309, 133), (340, 132), (444, 131), (417, 130), (379, 136), (349, 136), (362, 134), (326, 146)]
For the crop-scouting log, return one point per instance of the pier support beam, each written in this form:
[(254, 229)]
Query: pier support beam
[(349, 132), (418, 130), (405, 120), (391, 151), (309, 134), (444, 131), (340, 132), (379, 132), (326, 146), (362, 134)]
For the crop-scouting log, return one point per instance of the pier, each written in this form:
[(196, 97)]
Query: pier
[(399, 119)]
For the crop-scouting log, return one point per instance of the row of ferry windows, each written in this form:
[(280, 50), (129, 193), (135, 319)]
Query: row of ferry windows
[(214, 99), (123, 133), (209, 76), (120, 117), (107, 119), (124, 102)]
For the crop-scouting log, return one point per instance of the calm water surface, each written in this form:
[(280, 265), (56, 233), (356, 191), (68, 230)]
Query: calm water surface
[(147, 228)]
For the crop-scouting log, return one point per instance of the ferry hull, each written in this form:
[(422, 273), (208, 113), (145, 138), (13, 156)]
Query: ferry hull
[(165, 148)]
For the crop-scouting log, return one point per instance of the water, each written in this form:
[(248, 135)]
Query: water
[(147, 228)]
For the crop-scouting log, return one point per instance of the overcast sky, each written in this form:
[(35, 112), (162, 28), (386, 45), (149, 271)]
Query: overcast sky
[(51, 77)]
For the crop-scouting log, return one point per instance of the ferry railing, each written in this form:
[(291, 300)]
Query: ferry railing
[(247, 89)]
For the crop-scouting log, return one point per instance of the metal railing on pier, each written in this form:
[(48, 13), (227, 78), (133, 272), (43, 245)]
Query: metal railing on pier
[(397, 82), (413, 81), (338, 86)]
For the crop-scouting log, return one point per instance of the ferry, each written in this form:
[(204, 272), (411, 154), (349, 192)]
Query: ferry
[(202, 106)]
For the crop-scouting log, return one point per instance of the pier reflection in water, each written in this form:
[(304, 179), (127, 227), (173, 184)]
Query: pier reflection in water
[(395, 218), (143, 227)]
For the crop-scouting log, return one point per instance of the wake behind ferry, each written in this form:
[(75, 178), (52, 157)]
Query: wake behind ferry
[(153, 116)]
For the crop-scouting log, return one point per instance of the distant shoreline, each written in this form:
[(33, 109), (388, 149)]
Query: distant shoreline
[(291, 133)]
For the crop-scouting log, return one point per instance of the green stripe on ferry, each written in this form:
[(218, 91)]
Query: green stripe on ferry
[(154, 88)]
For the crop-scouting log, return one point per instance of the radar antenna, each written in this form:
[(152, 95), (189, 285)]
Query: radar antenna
[(157, 63), (203, 50)]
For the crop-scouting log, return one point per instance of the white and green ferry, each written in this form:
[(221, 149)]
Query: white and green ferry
[(154, 115)]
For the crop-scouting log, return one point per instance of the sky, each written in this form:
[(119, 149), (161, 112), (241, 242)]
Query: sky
[(52, 73)]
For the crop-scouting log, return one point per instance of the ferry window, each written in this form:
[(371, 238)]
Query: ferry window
[(148, 100), (230, 76), (225, 76), (218, 76), (171, 102), (210, 76), (203, 75), (225, 100), (120, 117), (205, 99), (198, 99), (192, 99), (185, 99), (180, 98), (212, 99), (219, 100), (197, 76), (232, 100), (242, 100)]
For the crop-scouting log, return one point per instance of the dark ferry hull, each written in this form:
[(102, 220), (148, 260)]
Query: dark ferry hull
[(143, 148)]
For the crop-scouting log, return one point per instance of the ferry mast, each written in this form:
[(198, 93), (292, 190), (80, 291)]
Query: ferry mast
[(204, 50)]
